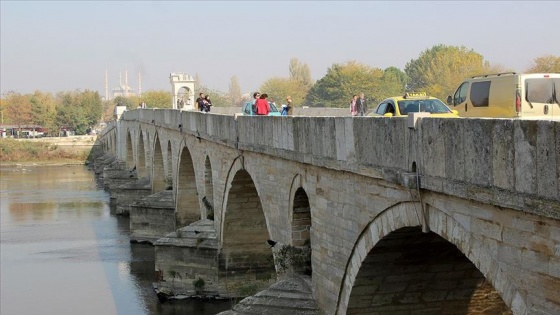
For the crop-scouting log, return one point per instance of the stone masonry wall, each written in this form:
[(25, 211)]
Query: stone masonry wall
[(481, 178)]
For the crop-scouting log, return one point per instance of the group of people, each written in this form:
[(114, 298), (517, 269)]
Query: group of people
[(203, 103), (358, 105), (261, 105)]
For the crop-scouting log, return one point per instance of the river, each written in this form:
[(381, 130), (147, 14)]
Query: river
[(62, 252)]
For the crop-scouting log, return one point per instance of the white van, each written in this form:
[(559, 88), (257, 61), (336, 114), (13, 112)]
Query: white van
[(509, 95)]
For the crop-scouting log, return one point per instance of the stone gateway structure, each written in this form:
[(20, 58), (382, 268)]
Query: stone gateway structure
[(342, 215), (182, 89)]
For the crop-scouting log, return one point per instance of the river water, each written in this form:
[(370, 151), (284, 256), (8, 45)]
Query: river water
[(61, 252)]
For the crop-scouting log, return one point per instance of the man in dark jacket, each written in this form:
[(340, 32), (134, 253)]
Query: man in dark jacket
[(200, 101), (361, 105)]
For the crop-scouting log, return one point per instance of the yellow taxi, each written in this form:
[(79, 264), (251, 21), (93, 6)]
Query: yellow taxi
[(413, 102)]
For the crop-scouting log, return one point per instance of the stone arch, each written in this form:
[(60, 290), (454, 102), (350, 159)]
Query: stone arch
[(141, 157), (208, 198), (158, 173), (300, 215), (187, 205), (114, 142), (106, 143), (393, 227), (129, 151), (245, 257), (169, 164), (180, 81)]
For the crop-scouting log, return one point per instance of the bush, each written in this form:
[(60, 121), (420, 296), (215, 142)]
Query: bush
[(12, 150)]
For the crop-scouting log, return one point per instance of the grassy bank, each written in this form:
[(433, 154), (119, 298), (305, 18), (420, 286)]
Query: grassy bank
[(22, 151)]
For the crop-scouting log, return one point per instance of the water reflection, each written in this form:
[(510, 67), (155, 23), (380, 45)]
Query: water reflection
[(63, 253)]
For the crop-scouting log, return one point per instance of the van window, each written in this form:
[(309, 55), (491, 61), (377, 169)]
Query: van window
[(461, 94), (480, 92), (539, 90)]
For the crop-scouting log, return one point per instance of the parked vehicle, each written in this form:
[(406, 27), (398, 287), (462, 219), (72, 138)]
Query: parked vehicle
[(509, 95), (412, 102), (248, 109)]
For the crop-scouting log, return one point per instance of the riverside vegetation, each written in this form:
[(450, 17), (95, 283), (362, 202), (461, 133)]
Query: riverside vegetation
[(22, 151)]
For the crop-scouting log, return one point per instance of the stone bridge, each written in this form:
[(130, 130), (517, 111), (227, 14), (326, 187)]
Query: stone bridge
[(373, 215)]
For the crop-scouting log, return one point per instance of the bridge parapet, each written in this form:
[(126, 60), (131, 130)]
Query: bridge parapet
[(511, 163)]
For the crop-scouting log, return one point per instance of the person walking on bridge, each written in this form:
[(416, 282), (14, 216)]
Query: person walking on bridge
[(200, 101), (353, 105), (361, 105), (262, 105)]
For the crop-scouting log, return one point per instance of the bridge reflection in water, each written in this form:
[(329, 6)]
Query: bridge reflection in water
[(62, 253)]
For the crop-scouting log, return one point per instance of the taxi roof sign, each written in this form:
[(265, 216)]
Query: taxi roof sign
[(415, 94)]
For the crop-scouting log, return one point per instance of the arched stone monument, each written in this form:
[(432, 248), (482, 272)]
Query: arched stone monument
[(179, 81)]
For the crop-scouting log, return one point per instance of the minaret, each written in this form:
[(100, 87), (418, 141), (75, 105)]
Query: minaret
[(106, 86), (139, 83), (120, 79), (125, 82)]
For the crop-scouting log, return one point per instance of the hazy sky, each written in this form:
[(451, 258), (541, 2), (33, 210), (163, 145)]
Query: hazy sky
[(66, 45)]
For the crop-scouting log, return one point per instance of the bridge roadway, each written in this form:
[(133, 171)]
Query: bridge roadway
[(454, 216)]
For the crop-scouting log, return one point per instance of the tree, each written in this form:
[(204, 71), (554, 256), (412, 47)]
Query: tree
[(393, 82), (300, 72), (108, 110), (197, 85), (218, 98), (440, 69), (18, 109), (157, 99), (79, 111), (69, 114), (278, 88), (234, 93), (341, 82), (126, 101), (90, 103), (545, 64), (296, 86), (44, 111)]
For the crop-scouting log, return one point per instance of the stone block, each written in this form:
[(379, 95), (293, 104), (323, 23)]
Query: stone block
[(503, 155), (525, 158)]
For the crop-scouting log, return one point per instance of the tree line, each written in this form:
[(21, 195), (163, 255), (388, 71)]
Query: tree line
[(437, 71)]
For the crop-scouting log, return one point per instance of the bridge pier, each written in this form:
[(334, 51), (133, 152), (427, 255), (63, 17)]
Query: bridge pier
[(126, 194), (186, 255), (103, 161), (152, 217)]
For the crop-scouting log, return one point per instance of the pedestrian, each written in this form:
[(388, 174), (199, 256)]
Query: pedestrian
[(256, 96), (262, 105), (289, 105), (207, 103), (200, 101), (353, 105), (361, 105)]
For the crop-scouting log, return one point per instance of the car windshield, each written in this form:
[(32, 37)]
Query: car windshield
[(433, 106)]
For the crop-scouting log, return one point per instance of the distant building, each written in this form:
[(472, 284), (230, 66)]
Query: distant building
[(123, 89)]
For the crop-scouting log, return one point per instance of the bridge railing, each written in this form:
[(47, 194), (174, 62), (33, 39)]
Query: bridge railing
[(480, 159)]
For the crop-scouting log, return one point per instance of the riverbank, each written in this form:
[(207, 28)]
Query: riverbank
[(45, 152)]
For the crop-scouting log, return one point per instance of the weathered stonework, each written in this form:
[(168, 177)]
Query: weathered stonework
[(488, 187), (152, 217)]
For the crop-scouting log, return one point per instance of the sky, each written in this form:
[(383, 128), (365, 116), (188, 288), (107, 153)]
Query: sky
[(57, 46)]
